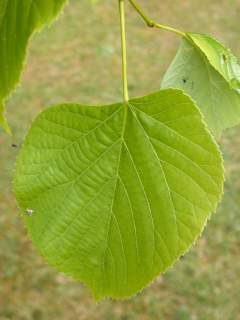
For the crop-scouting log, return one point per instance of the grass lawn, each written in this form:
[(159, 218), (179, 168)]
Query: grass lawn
[(78, 59)]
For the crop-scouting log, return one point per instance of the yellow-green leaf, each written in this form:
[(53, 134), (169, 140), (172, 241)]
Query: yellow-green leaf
[(114, 195), (210, 74)]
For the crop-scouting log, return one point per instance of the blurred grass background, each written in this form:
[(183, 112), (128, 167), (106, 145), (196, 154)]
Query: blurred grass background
[(78, 59)]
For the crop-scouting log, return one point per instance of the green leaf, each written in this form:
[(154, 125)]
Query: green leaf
[(18, 20), (3, 120), (220, 57), (209, 73), (113, 195)]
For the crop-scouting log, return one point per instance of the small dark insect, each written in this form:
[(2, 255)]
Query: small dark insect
[(184, 80), (224, 57), (29, 212), (14, 145)]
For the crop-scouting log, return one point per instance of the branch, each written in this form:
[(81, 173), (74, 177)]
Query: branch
[(151, 23)]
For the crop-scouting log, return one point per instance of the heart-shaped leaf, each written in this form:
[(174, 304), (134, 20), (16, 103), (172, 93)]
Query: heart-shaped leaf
[(113, 195), (18, 20), (209, 73)]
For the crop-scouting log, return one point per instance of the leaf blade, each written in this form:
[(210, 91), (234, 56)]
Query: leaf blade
[(215, 93), (18, 21), (220, 57), (146, 179)]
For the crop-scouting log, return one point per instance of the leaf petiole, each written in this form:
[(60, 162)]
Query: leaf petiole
[(151, 23), (124, 50)]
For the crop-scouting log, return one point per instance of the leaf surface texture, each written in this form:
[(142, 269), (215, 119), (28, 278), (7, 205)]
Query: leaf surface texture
[(118, 192), (210, 74)]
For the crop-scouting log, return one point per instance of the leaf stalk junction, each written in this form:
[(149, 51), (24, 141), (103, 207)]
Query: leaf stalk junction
[(151, 23)]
